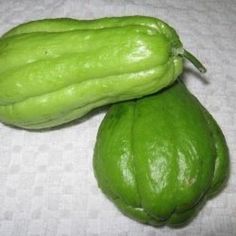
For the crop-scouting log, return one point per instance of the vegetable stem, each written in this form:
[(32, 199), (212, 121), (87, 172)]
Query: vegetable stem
[(189, 56)]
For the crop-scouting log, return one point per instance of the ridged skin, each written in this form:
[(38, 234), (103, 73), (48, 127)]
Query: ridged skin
[(55, 70), (160, 157)]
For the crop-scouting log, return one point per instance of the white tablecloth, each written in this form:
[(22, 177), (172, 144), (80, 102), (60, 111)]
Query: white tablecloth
[(47, 186)]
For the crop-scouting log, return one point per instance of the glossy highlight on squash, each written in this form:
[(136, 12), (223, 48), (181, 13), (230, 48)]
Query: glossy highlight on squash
[(53, 71), (159, 158)]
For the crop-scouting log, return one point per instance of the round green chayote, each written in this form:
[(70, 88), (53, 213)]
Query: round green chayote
[(160, 157)]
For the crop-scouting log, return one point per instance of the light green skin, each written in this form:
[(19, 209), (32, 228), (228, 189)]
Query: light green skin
[(160, 157), (56, 70)]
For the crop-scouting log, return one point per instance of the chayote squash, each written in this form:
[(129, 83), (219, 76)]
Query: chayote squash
[(53, 71), (160, 157)]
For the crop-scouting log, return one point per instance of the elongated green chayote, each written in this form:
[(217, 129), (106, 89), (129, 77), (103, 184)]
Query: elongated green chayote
[(53, 71)]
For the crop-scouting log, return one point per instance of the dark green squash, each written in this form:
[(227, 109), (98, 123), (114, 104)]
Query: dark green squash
[(160, 157)]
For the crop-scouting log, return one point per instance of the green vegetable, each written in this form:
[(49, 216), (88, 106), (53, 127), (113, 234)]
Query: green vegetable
[(56, 70), (160, 157)]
